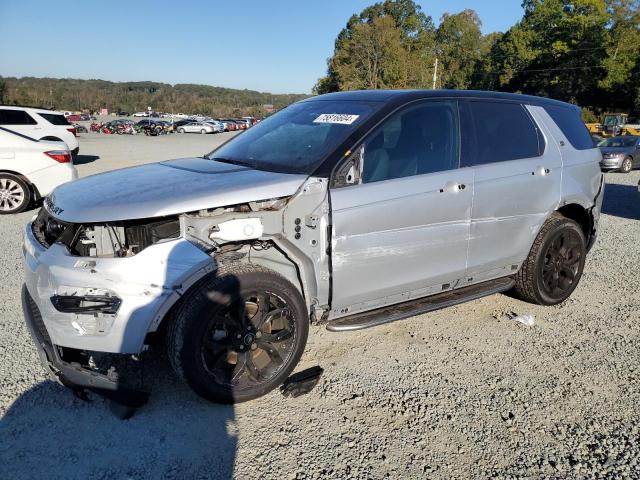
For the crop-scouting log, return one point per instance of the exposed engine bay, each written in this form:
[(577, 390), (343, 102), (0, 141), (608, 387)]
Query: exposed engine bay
[(118, 239)]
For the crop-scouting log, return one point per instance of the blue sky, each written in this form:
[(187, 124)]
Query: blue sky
[(277, 46)]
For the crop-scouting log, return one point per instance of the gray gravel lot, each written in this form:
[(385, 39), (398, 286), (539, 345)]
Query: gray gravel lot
[(459, 393)]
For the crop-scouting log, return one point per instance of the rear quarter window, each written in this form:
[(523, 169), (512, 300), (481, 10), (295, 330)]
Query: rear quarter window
[(16, 117), (54, 119), (570, 123)]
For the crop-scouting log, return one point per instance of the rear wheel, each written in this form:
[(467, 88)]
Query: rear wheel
[(554, 266), (15, 195), (181, 130), (238, 334), (627, 165)]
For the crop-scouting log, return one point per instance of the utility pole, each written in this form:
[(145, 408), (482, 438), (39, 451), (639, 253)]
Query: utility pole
[(435, 73)]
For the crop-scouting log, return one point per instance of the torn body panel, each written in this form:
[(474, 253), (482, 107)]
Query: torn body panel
[(296, 227), (146, 285)]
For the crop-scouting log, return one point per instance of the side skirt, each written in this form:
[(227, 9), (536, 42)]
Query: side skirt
[(419, 306)]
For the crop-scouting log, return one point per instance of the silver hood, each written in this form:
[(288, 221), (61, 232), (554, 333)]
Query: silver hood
[(165, 188)]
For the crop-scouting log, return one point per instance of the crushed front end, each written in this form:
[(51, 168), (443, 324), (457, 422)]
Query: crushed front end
[(93, 292)]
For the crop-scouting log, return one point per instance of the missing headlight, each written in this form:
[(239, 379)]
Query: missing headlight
[(116, 239)]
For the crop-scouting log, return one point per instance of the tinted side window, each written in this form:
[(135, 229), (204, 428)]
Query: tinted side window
[(419, 139), (569, 121), (15, 117), (503, 131), (54, 119)]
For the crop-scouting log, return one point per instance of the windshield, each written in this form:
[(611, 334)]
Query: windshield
[(619, 142), (296, 139)]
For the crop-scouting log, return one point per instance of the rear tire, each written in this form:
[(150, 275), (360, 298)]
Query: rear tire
[(238, 333), (15, 194), (554, 266), (627, 165), (181, 130)]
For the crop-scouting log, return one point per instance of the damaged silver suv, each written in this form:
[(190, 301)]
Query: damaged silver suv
[(354, 209)]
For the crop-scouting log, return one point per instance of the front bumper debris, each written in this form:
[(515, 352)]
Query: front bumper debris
[(72, 375)]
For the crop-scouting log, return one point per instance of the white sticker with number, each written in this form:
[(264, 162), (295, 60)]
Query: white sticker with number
[(341, 118)]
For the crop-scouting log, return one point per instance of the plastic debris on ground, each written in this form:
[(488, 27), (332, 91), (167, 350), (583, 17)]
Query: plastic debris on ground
[(301, 382)]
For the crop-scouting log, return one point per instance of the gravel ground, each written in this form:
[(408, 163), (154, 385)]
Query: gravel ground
[(460, 393)]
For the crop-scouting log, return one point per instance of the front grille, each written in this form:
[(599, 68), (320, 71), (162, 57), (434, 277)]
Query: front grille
[(36, 317)]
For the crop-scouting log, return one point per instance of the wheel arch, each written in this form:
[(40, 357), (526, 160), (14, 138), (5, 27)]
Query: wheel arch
[(273, 259), (581, 215), (32, 187)]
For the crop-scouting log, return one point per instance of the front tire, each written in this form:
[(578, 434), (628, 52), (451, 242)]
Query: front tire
[(203, 131), (627, 165), (238, 334), (15, 195), (181, 130), (554, 266)]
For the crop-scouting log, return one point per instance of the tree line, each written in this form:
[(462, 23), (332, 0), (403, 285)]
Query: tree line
[(75, 94), (582, 51)]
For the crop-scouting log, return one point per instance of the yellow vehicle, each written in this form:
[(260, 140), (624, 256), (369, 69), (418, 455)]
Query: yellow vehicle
[(614, 124)]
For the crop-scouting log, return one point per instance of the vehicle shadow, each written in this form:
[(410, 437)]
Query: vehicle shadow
[(48, 433), (82, 159), (621, 201)]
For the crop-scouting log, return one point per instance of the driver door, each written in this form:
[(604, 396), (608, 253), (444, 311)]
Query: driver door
[(402, 231)]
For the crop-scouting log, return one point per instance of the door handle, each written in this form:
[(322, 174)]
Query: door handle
[(453, 187), (542, 171)]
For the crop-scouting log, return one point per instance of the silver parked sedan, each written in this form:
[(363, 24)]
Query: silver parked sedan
[(196, 127), (620, 153)]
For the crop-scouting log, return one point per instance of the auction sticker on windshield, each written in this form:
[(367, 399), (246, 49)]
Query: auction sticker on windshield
[(341, 118)]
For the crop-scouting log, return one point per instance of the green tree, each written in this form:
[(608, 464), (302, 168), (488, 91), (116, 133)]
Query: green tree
[(622, 64), (556, 50), (460, 48), (3, 88), (406, 32), (372, 57)]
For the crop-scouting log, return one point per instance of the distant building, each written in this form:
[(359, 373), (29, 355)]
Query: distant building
[(269, 108)]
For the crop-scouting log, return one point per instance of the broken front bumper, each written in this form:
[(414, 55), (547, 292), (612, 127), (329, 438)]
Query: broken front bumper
[(72, 374), (143, 287)]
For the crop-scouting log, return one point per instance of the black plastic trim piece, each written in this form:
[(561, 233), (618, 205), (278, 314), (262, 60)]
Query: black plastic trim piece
[(419, 306)]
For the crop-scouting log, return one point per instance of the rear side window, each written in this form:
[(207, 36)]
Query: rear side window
[(16, 117), (54, 118), (503, 131), (570, 122)]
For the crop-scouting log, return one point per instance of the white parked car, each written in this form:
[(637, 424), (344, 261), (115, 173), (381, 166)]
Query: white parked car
[(140, 114), (197, 127), (30, 169), (40, 124), (218, 127)]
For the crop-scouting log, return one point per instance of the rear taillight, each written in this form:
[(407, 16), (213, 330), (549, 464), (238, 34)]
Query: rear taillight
[(72, 130), (60, 156)]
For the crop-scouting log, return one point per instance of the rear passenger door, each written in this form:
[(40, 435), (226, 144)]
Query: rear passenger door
[(402, 231), (517, 181)]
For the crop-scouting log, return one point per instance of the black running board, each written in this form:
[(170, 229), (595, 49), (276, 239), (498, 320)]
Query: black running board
[(419, 306)]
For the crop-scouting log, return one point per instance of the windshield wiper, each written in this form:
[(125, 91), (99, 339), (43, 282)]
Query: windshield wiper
[(234, 162)]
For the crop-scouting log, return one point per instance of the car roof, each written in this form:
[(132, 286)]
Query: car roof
[(401, 96), (32, 109)]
